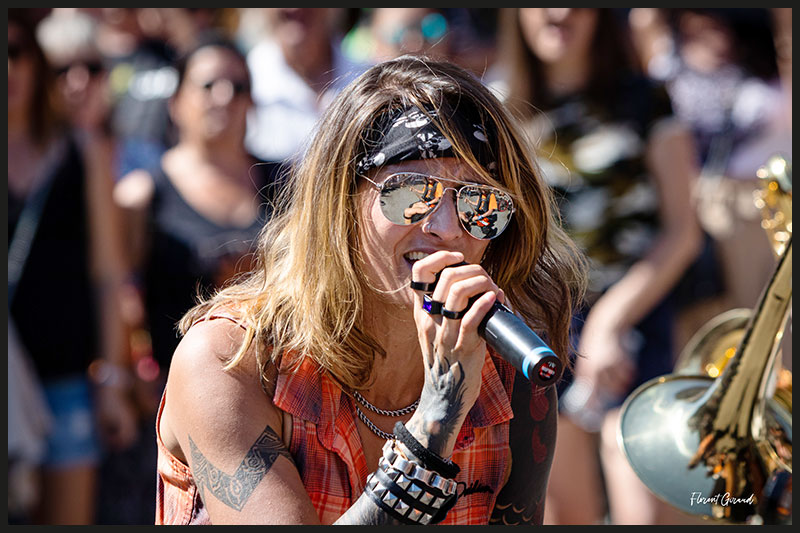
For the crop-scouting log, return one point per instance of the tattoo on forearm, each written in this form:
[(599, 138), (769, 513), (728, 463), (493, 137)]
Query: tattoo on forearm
[(446, 386), (235, 489)]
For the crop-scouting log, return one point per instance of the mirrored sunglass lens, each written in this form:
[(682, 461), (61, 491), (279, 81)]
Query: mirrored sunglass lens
[(408, 198), (484, 211)]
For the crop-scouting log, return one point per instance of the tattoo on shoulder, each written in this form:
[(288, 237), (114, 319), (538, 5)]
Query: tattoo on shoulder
[(235, 489)]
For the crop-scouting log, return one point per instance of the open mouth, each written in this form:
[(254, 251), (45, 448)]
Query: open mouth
[(413, 257)]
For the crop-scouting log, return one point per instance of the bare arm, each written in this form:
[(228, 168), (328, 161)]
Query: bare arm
[(133, 193), (532, 439), (108, 272), (225, 427), (672, 163)]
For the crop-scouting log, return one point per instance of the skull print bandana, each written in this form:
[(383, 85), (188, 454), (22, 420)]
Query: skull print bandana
[(410, 134)]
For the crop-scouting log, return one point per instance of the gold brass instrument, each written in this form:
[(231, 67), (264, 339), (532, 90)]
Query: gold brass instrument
[(714, 439)]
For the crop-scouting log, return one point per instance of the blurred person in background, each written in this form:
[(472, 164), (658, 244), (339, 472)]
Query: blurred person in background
[(191, 218), (621, 167), (720, 69), (65, 259), (385, 33), (140, 46), (465, 36), (142, 79), (297, 67)]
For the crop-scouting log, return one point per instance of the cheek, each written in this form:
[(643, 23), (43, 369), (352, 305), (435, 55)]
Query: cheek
[(379, 236), (380, 241), (476, 250)]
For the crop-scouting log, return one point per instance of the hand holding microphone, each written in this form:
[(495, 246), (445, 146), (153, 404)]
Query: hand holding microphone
[(506, 334)]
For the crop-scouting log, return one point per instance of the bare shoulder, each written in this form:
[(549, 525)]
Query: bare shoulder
[(209, 402), (134, 190)]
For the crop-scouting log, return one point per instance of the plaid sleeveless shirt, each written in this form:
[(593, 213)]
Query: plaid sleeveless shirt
[(327, 451)]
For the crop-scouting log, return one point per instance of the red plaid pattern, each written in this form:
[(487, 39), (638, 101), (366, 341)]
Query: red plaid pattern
[(178, 501), (326, 447)]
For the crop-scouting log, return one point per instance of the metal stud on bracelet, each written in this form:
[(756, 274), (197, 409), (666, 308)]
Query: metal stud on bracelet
[(414, 471), (407, 491), (430, 460)]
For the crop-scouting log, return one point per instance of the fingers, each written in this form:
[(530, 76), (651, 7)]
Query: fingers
[(454, 289), (425, 270), (461, 287)]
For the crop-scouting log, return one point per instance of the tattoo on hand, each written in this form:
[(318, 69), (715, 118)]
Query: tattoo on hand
[(234, 489)]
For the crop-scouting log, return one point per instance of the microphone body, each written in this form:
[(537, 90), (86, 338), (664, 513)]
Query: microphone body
[(519, 345)]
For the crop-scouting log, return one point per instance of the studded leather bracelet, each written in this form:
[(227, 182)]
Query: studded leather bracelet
[(445, 468)]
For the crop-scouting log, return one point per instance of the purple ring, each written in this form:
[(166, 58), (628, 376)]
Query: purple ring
[(431, 306)]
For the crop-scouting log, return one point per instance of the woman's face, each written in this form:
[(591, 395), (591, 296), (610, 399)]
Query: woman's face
[(214, 98), (83, 83), (706, 43), (389, 250), (558, 34)]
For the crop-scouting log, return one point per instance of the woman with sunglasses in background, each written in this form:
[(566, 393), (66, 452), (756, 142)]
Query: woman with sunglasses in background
[(192, 222), (317, 389)]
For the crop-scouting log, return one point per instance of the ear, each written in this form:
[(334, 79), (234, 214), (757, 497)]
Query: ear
[(172, 106)]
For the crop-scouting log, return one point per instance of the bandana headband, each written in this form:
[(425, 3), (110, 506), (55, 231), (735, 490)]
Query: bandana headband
[(410, 135)]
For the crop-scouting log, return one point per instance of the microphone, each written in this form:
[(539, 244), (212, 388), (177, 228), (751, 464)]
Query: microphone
[(512, 339), (519, 345)]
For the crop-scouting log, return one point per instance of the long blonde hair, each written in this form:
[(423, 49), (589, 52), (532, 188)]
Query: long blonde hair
[(304, 297)]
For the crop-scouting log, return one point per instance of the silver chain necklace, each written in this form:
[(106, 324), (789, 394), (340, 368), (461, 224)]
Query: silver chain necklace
[(375, 429), (370, 424), (399, 412)]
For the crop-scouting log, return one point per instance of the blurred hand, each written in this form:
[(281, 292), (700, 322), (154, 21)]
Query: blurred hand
[(607, 361), (117, 417)]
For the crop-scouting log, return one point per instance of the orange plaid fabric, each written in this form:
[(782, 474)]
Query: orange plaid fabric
[(327, 451), (326, 448), (178, 501)]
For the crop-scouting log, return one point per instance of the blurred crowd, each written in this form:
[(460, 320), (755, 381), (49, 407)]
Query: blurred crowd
[(146, 147)]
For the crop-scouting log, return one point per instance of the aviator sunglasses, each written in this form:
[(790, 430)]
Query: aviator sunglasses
[(408, 197)]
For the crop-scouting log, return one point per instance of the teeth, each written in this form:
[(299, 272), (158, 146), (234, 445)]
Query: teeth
[(416, 256)]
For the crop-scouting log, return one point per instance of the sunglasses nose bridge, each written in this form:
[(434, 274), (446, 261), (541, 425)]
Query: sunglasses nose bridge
[(445, 221)]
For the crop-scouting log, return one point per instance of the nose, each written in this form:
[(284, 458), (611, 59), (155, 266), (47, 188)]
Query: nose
[(443, 221), (222, 92), (77, 77)]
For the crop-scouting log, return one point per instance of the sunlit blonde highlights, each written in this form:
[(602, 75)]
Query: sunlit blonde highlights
[(305, 297)]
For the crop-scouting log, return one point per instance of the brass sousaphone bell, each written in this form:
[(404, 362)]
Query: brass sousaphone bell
[(721, 447)]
